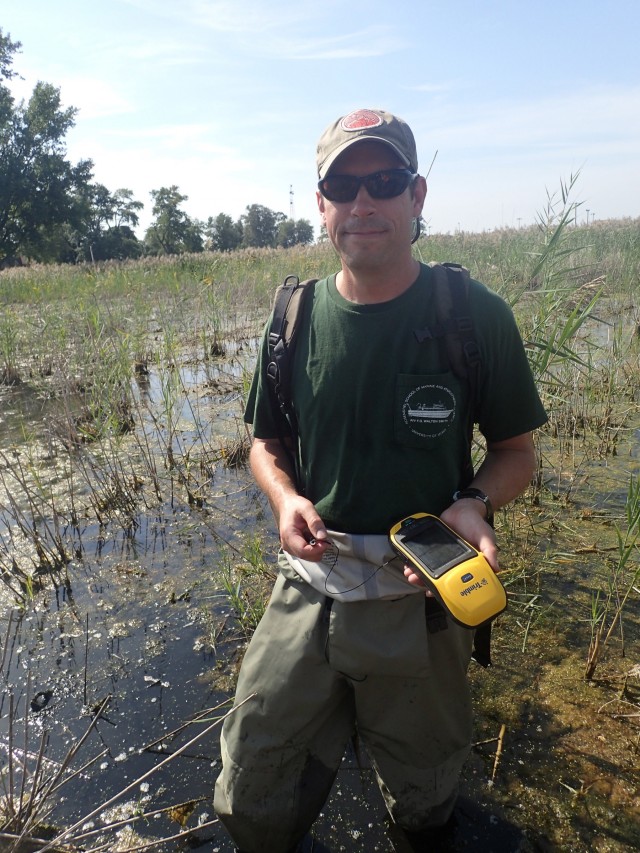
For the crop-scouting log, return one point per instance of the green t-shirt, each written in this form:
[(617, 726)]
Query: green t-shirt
[(382, 421)]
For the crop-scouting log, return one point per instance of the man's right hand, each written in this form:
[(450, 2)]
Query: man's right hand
[(299, 524), (302, 531)]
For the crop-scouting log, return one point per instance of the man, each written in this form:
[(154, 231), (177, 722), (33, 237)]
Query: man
[(347, 642)]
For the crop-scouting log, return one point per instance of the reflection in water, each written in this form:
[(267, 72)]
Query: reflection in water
[(134, 636)]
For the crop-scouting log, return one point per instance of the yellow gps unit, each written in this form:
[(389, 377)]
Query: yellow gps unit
[(459, 576)]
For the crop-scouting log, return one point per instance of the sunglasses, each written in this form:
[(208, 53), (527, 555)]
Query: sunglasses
[(388, 183)]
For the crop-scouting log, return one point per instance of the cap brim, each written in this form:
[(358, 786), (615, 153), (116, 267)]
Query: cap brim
[(328, 163)]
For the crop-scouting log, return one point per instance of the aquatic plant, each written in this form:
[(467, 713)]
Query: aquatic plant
[(621, 583), (247, 581), (9, 374)]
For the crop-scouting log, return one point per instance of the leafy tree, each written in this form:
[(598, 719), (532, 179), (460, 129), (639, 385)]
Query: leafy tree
[(96, 234), (260, 226), (304, 231), (118, 242), (105, 231), (39, 188), (224, 235), (7, 49), (172, 231), (286, 234), (264, 227), (292, 233), (125, 209)]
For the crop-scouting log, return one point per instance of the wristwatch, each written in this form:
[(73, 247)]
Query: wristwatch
[(479, 496)]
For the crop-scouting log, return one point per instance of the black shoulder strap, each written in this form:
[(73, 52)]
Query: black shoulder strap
[(286, 319), (454, 323), (453, 330)]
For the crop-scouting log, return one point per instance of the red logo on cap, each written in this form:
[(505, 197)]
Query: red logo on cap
[(360, 120)]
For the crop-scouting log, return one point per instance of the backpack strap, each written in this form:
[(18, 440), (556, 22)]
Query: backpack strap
[(454, 323), (286, 320), (454, 331)]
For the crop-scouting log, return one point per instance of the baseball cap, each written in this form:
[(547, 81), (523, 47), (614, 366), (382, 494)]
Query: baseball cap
[(378, 125)]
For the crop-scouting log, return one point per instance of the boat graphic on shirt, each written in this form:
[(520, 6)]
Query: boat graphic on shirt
[(436, 411), (428, 410)]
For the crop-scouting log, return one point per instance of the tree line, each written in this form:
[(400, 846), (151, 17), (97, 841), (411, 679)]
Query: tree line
[(52, 210)]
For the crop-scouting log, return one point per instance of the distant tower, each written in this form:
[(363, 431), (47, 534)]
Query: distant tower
[(291, 210)]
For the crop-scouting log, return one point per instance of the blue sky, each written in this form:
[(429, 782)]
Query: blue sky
[(227, 98)]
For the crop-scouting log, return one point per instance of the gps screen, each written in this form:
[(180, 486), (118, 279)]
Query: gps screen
[(436, 547)]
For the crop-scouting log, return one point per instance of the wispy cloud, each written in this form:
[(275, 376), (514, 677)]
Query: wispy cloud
[(371, 41), (282, 29), (585, 119), (430, 88), (168, 52), (229, 16)]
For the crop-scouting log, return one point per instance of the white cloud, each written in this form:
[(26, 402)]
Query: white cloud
[(94, 97)]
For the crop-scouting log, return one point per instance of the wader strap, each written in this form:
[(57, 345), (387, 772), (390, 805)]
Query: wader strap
[(326, 610), (437, 621), (482, 645), (435, 615)]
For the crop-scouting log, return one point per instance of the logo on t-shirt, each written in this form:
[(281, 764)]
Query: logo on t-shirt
[(429, 410)]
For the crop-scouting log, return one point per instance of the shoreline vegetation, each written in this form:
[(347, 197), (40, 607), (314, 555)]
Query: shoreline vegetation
[(499, 258), (121, 392)]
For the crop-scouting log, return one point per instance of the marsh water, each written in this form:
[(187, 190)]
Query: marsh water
[(136, 644)]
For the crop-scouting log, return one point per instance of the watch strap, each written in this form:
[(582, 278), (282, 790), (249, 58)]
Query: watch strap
[(478, 495)]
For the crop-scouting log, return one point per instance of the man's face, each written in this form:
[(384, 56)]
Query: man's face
[(371, 233)]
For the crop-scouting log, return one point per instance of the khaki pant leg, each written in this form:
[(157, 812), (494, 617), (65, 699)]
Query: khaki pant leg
[(413, 704), (281, 750)]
